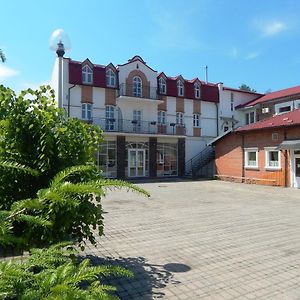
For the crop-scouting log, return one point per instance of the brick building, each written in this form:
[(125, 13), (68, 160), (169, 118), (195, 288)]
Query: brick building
[(265, 152)]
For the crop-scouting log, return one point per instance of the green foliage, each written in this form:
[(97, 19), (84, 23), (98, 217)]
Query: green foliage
[(37, 134), (245, 87), (54, 273), (69, 209)]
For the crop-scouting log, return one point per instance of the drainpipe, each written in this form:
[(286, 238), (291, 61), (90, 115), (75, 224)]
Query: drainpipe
[(285, 161), (69, 98), (217, 110), (243, 156)]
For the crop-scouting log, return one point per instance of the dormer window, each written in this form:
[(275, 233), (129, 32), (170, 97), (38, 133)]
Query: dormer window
[(197, 90), (180, 88), (162, 86), (87, 74), (110, 78)]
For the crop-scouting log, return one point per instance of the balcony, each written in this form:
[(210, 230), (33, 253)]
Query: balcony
[(134, 91), (140, 127)]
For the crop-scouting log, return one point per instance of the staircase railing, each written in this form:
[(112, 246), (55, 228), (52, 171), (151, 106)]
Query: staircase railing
[(196, 163)]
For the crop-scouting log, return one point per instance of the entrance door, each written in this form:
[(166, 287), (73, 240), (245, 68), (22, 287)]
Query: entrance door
[(136, 162), (297, 171)]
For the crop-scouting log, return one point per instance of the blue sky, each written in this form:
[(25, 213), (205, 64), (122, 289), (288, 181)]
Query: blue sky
[(253, 42)]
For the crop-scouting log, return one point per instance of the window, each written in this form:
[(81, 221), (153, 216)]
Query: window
[(137, 86), (272, 159), (196, 120), (179, 118), (232, 102), (162, 85), (161, 117), (197, 90), (107, 158), (274, 136), (86, 111), (167, 159), (87, 75), (251, 158), (284, 109), (110, 121), (110, 78), (180, 89), (137, 120), (250, 117)]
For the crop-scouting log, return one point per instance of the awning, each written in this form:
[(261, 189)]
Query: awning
[(289, 145)]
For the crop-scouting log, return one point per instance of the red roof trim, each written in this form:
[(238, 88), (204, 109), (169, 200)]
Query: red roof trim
[(241, 91)]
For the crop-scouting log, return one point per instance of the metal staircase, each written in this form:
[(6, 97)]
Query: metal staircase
[(201, 165)]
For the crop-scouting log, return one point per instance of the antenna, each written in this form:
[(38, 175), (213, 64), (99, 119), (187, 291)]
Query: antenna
[(206, 74)]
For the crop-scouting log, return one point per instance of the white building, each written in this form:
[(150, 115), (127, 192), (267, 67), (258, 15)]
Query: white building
[(153, 124)]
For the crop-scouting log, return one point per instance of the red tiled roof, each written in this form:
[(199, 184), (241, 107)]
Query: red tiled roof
[(287, 119), (272, 96)]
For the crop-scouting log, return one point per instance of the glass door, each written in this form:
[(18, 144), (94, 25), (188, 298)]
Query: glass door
[(297, 171), (136, 162)]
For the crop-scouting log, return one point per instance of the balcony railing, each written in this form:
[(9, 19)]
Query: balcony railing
[(142, 127), (131, 90)]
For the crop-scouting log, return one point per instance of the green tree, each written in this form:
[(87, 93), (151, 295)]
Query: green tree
[(36, 134), (247, 88), (2, 56)]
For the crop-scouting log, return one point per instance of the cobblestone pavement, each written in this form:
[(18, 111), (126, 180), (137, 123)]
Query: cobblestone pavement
[(203, 240)]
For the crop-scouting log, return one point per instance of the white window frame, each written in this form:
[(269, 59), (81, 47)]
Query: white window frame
[(247, 117), (87, 111), (282, 105), (196, 120), (267, 158), (87, 74), (137, 86), (162, 85), (110, 78), (247, 165), (110, 125), (180, 88), (179, 118), (231, 101), (197, 91), (161, 117)]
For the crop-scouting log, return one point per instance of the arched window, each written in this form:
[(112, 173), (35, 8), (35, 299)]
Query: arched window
[(197, 90), (162, 87), (110, 78), (180, 88), (137, 86), (87, 74)]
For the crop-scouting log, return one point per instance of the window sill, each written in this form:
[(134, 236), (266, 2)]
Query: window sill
[(251, 168), (272, 168)]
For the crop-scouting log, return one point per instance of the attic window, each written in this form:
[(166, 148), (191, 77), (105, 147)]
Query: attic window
[(197, 90), (110, 78), (180, 88), (87, 74), (162, 85)]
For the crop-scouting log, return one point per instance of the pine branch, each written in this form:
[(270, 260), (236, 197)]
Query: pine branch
[(14, 165)]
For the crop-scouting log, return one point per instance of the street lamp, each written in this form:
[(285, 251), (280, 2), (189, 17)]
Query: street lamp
[(60, 43)]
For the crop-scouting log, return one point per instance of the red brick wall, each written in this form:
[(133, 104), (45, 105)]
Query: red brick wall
[(229, 155)]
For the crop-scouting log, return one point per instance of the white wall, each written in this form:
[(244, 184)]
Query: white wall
[(208, 119), (193, 146)]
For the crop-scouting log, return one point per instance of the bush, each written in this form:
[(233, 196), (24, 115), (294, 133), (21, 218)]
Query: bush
[(55, 273)]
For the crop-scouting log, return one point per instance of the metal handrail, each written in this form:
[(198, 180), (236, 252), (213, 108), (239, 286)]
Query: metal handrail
[(131, 90), (139, 126)]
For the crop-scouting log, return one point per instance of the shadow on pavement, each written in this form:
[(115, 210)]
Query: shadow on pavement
[(147, 280)]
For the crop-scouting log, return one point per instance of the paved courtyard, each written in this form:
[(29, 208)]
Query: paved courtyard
[(203, 240)]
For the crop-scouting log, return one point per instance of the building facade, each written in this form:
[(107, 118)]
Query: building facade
[(266, 152)]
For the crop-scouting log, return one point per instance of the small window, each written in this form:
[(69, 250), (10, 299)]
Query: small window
[(250, 117), (284, 109), (87, 75), (251, 158), (179, 118), (197, 90), (232, 102), (110, 78), (161, 117), (162, 85), (180, 88), (274, 136), (272, 158), (196, 120), (86, 111), (226, 128)]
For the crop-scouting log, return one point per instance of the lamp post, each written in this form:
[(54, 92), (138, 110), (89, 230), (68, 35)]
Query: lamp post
[(60, 43)]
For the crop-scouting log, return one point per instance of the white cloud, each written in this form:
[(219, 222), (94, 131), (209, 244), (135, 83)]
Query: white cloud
[(271, 28), (252, 55), (34, 85), (234, 52), (7, 72)]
